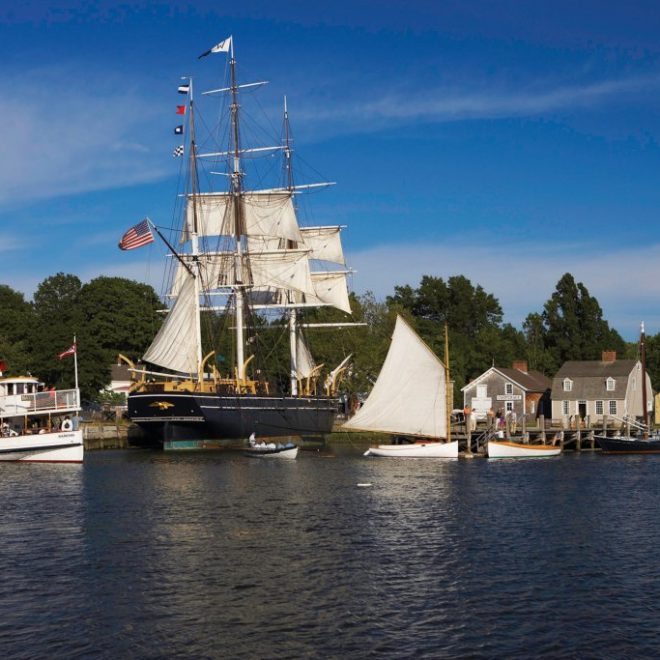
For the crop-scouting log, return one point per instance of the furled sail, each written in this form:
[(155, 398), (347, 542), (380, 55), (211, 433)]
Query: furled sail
[(263, 213), (175, 345), (409, 396), (324, 242)]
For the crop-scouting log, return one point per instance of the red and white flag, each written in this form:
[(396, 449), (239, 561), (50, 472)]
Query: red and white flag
[(69, 351), (137, 236)]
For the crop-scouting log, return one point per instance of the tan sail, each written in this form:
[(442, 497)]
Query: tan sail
[(324, 242), (409, 395), (175, 345), (331, 289), (263, 213)]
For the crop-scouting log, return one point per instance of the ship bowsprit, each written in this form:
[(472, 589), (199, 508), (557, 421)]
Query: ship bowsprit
[(193, 421)]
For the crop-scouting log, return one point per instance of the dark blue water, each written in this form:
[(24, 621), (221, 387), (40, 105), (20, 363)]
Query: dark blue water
[(145, 555)]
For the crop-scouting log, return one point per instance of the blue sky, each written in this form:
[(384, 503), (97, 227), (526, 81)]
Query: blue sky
[(507, 141)]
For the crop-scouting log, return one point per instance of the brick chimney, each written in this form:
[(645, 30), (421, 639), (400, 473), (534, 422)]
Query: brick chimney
[(609, 356), (520, 365)]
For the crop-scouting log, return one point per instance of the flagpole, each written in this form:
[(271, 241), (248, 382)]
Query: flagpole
[(75, 366)]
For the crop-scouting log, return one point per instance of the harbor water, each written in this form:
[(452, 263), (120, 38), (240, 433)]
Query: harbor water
[(138, 554)]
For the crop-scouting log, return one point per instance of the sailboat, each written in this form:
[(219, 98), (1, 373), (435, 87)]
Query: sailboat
[(409, 399), (643, 442), (242, 254)]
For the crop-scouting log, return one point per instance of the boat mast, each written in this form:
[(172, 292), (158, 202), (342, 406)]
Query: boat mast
[(293, 312), (448, 385), (194, 189), (642, 346), (235, 190)]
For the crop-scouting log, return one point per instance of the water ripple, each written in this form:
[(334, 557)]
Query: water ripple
[(143, 555)]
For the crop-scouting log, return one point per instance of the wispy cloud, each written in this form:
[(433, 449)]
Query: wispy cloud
[(489, 100), (92, 137), (523, 277)]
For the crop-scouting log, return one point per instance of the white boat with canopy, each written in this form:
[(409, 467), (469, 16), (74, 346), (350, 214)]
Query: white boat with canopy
[(37, 424), (410, 399)]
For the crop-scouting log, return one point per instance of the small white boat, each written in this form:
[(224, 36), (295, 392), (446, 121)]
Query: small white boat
[(508, 449), (416, 450), (36, 424), (271, 449)]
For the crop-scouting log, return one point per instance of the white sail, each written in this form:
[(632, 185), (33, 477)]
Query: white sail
[(175, 345), (325, 243), (263, 213), (304, 361), (330, 289), (277, 269), (409, 396)]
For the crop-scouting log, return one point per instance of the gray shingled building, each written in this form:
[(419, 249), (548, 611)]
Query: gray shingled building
[(599, 387)]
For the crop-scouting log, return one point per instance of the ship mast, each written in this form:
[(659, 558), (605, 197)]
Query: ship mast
[(235, 189), (194, 184), (293, 312), (645, 414)]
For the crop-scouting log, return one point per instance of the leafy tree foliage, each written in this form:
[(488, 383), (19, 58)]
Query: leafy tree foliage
[(571, 327), (56, 321), (16, 317), (108, 316), (477, 336)]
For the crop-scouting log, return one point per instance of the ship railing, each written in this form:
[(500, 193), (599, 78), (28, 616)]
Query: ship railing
[(53, 401)]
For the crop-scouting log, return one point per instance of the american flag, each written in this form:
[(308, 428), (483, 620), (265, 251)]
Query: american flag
[(69, 351), (137, 236)]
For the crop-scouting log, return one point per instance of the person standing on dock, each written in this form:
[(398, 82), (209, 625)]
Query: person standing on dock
[(491, 419), (513, 421)]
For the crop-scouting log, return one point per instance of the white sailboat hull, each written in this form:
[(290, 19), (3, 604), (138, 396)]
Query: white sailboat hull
[(506, 449), (56, 447), (417, 450)]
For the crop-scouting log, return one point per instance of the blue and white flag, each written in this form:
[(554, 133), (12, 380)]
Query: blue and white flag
[(183, 89), (178, 130), (222, 47), (178, 151)]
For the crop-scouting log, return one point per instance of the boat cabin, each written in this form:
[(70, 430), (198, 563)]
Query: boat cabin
[(507, 390), (19, 385)]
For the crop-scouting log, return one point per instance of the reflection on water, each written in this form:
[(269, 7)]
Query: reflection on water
[(139, 554)]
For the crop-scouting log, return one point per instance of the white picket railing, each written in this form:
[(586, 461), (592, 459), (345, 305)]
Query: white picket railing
[(60, 401)]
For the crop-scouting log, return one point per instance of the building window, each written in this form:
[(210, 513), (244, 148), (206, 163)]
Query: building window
[(482, 391), (568, 384), (564, 407), (611, 383), (612, 407), (599, 407), (508, 388), (508, 406)]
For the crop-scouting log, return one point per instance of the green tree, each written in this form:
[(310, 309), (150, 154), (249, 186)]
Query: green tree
[(572, 327), (117, 315), (15, 320), (56, 321), (477, 336)]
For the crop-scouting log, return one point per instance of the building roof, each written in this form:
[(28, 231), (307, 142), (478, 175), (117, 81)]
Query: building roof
[(595, 368), (530, 381), (120, 372), (590, 379)]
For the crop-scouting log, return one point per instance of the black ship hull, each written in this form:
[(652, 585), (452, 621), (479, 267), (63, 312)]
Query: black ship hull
[(626, 445), (196, 421)]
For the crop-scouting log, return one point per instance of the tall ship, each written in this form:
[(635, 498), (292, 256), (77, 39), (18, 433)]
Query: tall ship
[(240, 264)]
